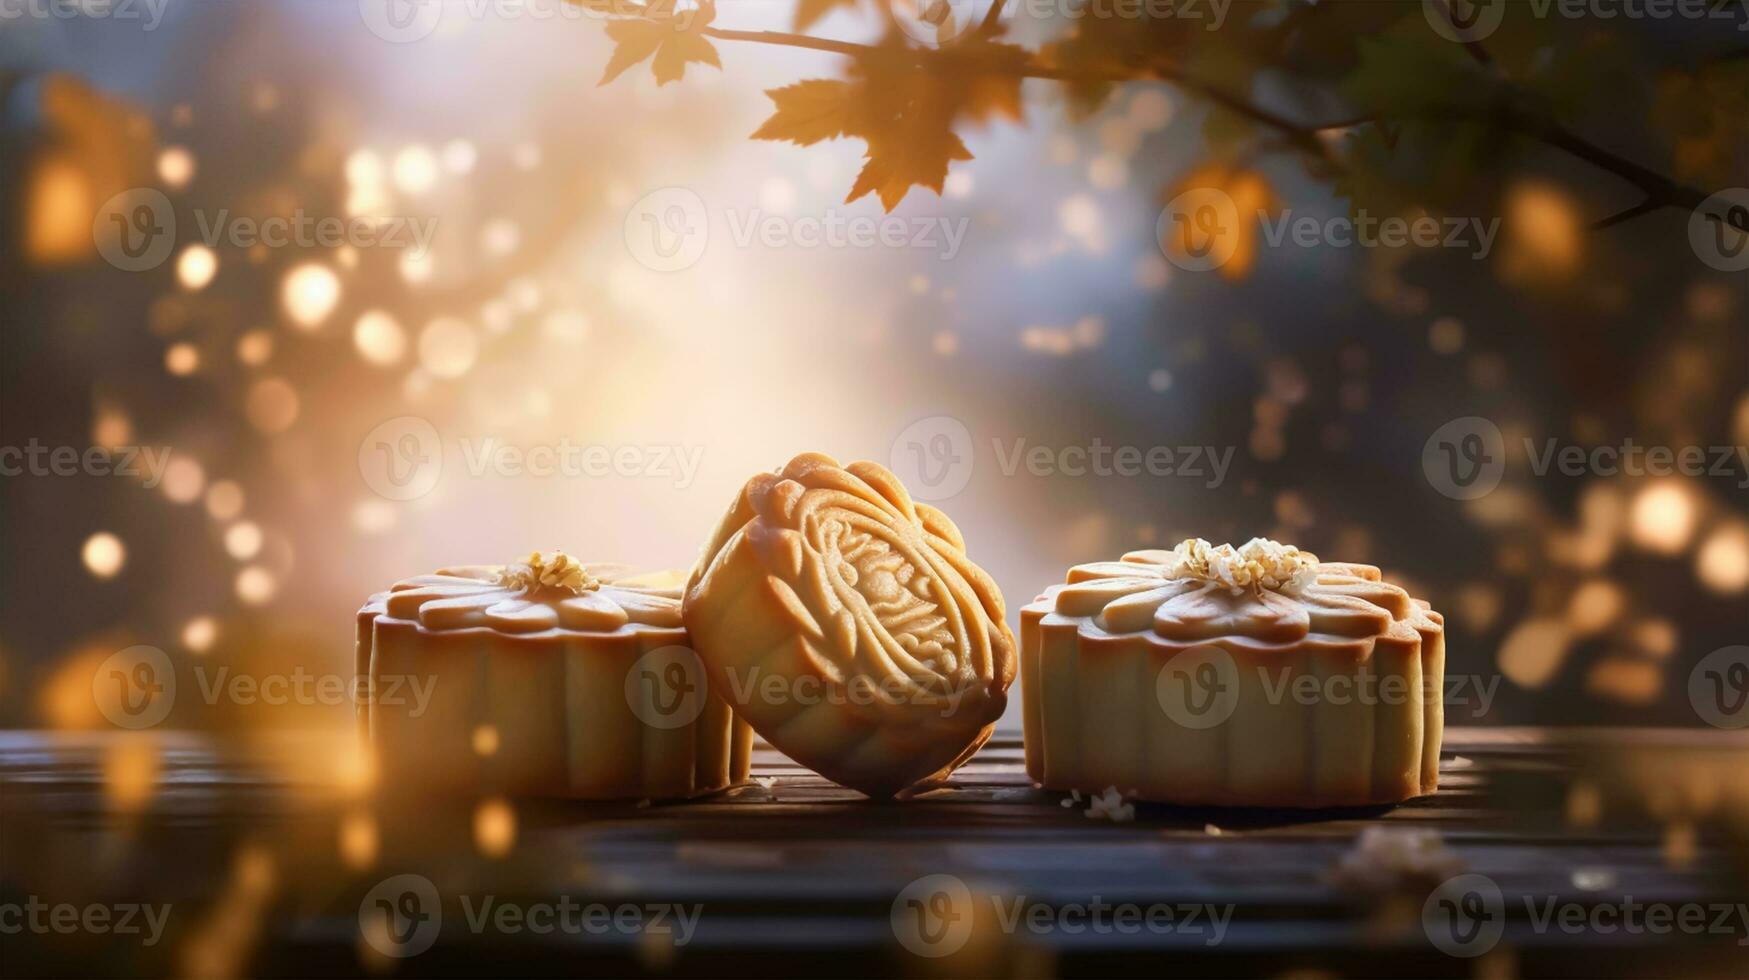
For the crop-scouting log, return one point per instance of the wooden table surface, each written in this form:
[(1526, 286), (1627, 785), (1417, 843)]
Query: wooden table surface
[(265, 847)]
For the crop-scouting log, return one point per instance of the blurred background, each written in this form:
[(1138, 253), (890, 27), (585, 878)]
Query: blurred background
[(283, 392)]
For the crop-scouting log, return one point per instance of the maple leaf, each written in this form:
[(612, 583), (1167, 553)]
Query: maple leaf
[(906, 116), (1249, 193), (810, 111), (809, 12), (991, 74), (911, 157), (909, 141), (674, 39)]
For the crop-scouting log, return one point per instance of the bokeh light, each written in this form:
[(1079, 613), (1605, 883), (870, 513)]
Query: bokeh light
[(199, 633), (448, 347), (1663, 517), (272, 405), (310, 294), (104, 554), (195, 267), (379, 338)]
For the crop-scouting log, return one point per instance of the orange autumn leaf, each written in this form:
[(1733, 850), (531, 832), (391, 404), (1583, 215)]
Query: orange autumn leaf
[(910, 139), (669, 39), (897, 162), (1221, 206), (990, 86), (810, 111), (906, 117)]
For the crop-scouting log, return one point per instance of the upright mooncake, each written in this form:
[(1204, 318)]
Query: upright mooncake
[(1251, 676), (545, 677), (847, 625)]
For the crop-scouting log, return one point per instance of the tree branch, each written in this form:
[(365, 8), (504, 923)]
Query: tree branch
[(1660, 191)]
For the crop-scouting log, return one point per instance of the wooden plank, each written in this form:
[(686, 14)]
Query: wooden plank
[(798, 868)]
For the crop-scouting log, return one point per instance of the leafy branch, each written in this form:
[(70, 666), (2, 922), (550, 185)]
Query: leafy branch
[(905, 100)]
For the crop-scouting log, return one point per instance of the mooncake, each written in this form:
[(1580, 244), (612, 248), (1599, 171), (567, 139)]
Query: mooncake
[(1249, 676), (545, 677), (845, 623)]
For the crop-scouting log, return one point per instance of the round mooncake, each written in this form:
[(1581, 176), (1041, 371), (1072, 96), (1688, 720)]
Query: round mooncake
[(847, 625), (546, 677), (1250, 676)]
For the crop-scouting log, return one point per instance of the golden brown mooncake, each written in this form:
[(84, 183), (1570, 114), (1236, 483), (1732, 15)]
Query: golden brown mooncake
[(1250, 676), (546, 677), (845, 623)]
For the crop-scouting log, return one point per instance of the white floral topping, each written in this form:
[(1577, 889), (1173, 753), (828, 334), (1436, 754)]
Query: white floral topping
[(1110, 804), (552, 570), (1386, 859), (1258, 564)]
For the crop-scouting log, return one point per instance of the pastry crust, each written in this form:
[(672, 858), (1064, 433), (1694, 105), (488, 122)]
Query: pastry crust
[(847, 625), (550, 665), (1335, 676)]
